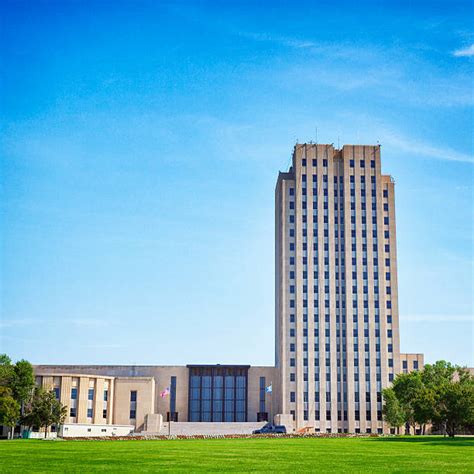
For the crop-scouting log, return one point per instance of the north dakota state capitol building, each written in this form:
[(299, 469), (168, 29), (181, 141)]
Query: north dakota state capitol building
[(337, 341)]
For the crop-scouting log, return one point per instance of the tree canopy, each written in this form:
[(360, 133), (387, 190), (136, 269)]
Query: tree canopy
[(44, 410), (441, 394), (9, 408), (21, 402)]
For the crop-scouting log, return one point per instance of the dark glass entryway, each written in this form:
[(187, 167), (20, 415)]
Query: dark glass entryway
[(218, 393)]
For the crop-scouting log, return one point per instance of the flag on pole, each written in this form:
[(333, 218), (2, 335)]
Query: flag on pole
[(269, 389), (165, 392)]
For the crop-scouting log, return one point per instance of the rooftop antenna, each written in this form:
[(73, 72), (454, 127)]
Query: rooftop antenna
[(316, 136), (338, 142)]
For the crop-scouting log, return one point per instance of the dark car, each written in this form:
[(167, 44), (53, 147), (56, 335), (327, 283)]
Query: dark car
[(270, 429)]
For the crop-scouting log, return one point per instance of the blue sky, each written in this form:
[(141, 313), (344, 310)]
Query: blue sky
[(140, 147)]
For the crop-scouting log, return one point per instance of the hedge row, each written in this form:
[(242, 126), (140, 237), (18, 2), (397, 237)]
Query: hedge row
[(221, 436)]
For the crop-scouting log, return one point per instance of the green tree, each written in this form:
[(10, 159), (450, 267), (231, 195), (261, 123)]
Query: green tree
[(22, 382), (437, 374), (9, 409), (44, 410), (6, 370), (441, 394), (407, 388), (392, 411), (455, 404), (424, 406)]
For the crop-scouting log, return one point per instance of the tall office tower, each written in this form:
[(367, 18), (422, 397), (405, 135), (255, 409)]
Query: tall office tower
[(337, 334)]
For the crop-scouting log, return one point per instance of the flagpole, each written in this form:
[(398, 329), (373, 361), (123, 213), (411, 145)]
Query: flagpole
[(169, 421), (271, 404)]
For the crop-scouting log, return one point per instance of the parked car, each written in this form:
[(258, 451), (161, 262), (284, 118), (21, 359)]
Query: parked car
[(270, 429)]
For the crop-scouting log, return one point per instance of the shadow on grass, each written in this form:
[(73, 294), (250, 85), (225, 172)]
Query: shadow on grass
[(430, 440)]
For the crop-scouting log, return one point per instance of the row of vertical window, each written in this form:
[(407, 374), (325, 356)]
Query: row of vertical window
[(368, 397), (355, 305), (351, 163), (90, 394), (355, 318), (90, 397), (356, 361), (354, 289)]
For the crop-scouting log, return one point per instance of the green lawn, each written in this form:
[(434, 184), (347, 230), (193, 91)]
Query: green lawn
[(401, 454)]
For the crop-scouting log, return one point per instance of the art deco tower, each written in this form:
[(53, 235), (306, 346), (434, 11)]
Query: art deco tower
[(337, 333)]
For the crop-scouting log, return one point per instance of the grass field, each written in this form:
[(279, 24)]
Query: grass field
[(401, 454)]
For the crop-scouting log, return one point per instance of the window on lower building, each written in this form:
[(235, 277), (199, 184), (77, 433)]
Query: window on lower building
[(72, 412), (89, 413), (133, 404), (218, 394)]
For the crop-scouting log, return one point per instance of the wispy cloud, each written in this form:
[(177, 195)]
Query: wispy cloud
[(91, 323), (13, 323), (464, 52), (282, 40), (78, 323), (388, 71), (334, 50), (103, 346), (438, 318), (397, 139), (416, 147)]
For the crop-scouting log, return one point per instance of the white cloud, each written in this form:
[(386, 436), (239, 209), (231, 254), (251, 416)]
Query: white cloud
[(415, 147), (80, 323), (437, 318), (103, 346), (282, 40), (411, 147), (464, 52), (90, 323), (334, 50), (18, 322)]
